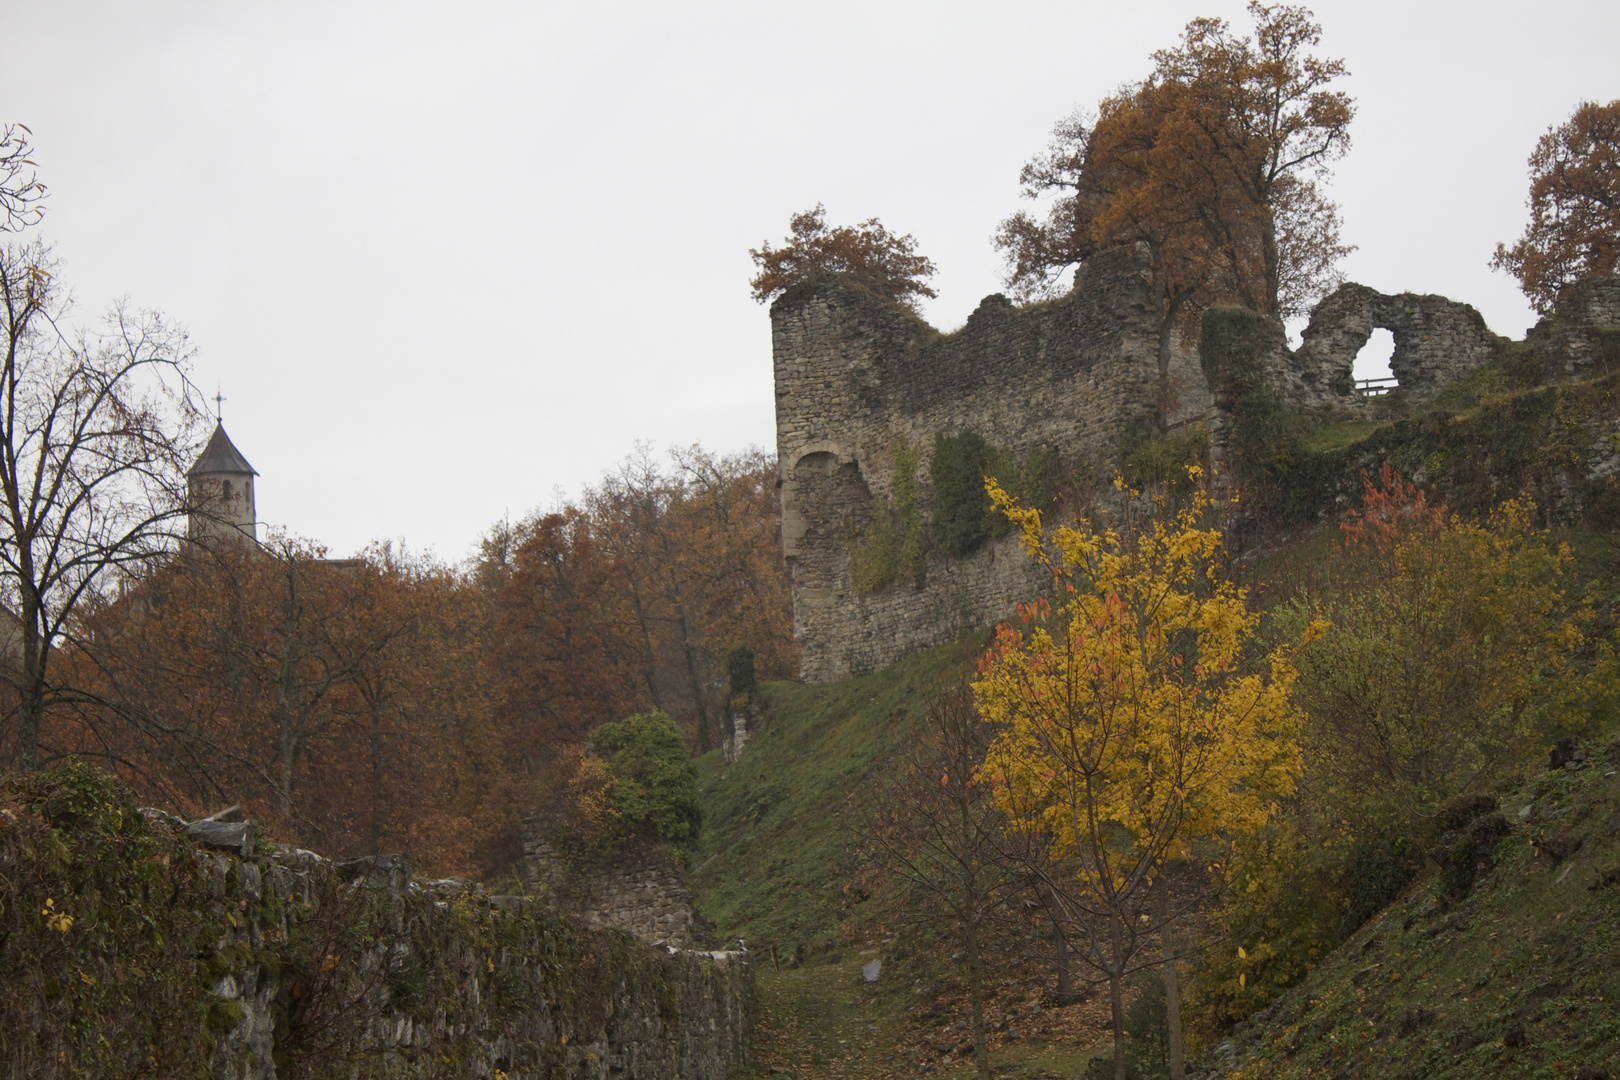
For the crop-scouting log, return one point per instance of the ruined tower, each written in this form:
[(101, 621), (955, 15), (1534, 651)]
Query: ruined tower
[(858, 375), (220, 488)]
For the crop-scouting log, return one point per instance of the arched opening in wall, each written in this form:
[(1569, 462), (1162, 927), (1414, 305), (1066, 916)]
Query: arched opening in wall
[(1371, 369)]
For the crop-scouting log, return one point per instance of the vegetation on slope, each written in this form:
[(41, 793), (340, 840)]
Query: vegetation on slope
[(1516, 979)]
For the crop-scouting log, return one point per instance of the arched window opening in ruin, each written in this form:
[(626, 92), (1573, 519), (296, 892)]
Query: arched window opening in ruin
[(1371, 371), (820, 462)]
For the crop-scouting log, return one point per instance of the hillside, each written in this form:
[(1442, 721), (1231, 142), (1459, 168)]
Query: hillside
[(767, 867), (1516, 979), (1519, 979), (773, 869), (1429, 987)]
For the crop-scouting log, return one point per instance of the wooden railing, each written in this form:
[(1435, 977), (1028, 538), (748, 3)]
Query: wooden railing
[(1374, 387), (1196, 418)]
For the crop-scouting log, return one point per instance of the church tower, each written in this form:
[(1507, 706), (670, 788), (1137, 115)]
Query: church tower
[(220, 486)]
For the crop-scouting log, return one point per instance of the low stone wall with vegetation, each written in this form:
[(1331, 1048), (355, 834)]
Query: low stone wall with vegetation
[(134, 944)]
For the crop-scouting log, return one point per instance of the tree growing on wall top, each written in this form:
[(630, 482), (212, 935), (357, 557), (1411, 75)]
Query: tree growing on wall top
[(883, 262), (653, 785), (1212, 162), (1574, 229)]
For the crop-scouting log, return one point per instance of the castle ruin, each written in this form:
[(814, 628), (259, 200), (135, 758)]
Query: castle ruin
[(858, 376)]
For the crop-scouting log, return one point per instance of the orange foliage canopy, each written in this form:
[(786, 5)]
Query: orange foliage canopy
[(885, 263), (1212, 162), (390, 703), (1574, 229)]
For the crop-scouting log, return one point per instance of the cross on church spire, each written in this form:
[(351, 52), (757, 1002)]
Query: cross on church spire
[(218, 399)]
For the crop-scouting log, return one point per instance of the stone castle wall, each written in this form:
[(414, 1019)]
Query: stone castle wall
[(351, 967), (855, 371), (639, 888), (1436, 341)]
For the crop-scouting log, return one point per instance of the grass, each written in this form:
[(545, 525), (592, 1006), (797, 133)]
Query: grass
[(1517, 980), (1319, 438), (767, 869), (823, 1022), (770, 870)]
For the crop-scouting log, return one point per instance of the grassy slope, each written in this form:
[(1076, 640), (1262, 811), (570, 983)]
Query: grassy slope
[(766, 870), (1426, 992)]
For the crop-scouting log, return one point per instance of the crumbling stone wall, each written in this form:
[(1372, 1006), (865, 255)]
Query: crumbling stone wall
[(639, 888), (1436, 341), (855, 371), (299, 965), (1582, 336), (690, 1019), (1594, 302)]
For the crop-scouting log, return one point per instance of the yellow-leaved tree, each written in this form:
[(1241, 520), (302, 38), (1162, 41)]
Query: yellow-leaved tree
[(1137, 730)]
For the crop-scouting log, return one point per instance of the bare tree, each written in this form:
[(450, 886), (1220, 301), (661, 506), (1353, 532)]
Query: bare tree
[(96, 430), (934, 828), (20, 189)]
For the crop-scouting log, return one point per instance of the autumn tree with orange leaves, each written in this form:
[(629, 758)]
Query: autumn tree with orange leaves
[(339, 701), (1574, 229), (388, 702), (867, 253), (703, 571), (1211, 166)]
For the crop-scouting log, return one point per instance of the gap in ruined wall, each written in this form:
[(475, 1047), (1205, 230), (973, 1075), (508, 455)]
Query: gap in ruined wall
[(1372, 362)]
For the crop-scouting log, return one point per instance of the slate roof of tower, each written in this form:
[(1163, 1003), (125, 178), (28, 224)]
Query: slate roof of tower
[(220, 456)]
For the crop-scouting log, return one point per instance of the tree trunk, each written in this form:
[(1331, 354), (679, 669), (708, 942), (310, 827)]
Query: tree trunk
[(1060, 955), (376, 784), (31, 685), (1172, 985), (970, 940), (28, 729), (705, 732), (1065, 984), (1116, 996), (286, 695)]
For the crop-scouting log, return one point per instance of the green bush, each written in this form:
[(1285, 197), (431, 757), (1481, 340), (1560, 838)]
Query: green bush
[(740, 670), (654, 786), (1148, 460), (1147, 1054)]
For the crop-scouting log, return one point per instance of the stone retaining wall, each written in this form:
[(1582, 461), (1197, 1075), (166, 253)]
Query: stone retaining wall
[(521, 971), (640, 889)]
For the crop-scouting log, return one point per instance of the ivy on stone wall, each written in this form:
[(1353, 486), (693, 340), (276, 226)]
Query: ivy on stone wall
[(97, 965), (890, 550), (963, 516), (1263, 444)]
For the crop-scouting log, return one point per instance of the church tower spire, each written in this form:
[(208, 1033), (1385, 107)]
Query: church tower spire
[(220, 485)]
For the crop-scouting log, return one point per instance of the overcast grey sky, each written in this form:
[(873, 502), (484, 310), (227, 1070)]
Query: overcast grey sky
[(447, 260)]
